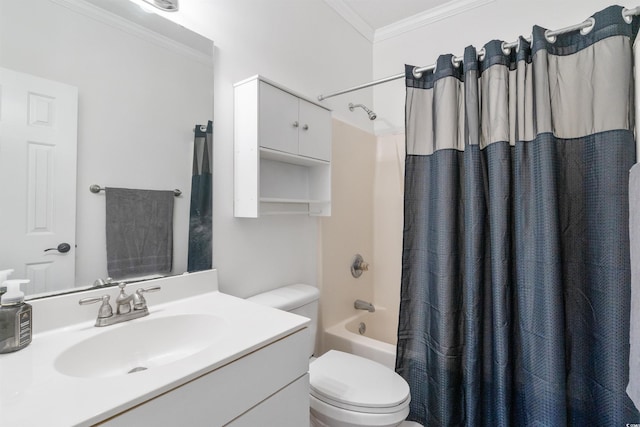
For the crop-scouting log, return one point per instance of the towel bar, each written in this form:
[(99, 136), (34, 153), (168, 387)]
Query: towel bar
[(95, 188)]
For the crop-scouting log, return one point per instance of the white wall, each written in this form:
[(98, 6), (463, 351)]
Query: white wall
[(501, 19), (305, 46)]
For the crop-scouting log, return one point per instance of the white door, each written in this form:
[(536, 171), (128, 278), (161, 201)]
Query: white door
[(38, 139)]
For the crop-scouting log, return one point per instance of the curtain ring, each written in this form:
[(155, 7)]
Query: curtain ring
[(456, 61), (550, 38), (482, 54), (628, 18), (415, 73), (506, 50), (586, 30)]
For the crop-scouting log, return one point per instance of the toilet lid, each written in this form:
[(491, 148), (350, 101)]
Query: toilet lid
[(356, 383)]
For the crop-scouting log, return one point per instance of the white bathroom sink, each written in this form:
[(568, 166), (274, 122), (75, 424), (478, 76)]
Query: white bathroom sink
[(142, 344)]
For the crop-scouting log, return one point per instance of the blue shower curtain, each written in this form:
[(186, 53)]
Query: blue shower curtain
[(515, 278), (200, 223)]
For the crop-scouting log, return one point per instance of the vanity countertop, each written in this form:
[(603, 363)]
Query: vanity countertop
[(34, 393)]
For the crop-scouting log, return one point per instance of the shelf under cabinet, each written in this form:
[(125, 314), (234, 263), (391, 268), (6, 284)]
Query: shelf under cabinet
[(281, 156), (282, 200), (283, 206)]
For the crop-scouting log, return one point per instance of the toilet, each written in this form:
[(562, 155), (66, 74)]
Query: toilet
[(345, 390)]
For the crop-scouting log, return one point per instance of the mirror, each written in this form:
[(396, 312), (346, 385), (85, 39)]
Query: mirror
[(142, 82)]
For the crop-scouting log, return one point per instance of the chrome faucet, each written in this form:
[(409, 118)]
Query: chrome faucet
[(363, 305), (98, 283), (128, 307)]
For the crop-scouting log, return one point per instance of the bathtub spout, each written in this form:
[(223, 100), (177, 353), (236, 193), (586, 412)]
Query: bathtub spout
[(363, 305)]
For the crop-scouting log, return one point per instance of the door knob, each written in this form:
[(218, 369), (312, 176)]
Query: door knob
[(63, 248)]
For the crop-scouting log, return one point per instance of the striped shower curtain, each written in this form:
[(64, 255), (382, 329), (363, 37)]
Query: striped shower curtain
[(200, 219), (516, 274)]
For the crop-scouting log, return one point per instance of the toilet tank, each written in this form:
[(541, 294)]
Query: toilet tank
[(298, 299)]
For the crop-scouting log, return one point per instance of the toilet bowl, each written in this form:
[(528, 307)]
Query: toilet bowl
[(351, 391), (345, 390)]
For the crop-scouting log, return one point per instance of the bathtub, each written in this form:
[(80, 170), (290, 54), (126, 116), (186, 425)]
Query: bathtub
[(377, 342)]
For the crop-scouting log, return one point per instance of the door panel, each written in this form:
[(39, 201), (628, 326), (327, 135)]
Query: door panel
[(38, 141), (278, 113), (315, 131)]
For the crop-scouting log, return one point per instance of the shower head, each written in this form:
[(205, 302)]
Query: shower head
[(372, 115)]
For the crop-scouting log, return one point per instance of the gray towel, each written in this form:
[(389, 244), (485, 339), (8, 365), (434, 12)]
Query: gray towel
[(139, 232), (633, 389)]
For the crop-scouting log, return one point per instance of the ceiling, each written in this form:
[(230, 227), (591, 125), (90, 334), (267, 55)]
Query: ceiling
[(382, 19)]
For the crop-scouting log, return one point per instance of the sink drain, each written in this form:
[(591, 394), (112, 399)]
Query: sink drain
[(137, 369)]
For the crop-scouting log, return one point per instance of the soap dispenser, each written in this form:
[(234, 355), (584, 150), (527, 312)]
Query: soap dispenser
[(4, 275), (15, 318)]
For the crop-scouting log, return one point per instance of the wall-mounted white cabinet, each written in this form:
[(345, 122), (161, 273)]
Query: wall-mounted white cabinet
[(282, 152)]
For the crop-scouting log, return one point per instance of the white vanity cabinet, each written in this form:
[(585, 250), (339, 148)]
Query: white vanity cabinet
[(282, 151), (269, 387), (239, 362)]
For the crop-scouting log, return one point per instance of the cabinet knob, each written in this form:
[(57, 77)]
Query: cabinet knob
[(305, 127), (296, 124)]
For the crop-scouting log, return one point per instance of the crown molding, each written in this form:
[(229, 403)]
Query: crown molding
[(352, 18), (121, 23), (427, 17)]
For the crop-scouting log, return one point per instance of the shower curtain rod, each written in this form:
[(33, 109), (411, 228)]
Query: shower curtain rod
[(584, 27)]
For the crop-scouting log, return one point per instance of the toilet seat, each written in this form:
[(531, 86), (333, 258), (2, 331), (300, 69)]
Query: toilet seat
[(326, 415), (357, 384)]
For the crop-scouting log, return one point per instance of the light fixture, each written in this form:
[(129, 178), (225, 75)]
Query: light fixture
[(164, 5)]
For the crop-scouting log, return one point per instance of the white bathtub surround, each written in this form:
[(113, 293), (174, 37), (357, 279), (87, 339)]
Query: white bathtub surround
[(31, 381), (367, 218), (388, 221), (378, 343), (349, 230)]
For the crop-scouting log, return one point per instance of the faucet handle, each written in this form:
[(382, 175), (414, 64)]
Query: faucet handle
[(98, 283), (105, 309), (139, 303), (149, 289)]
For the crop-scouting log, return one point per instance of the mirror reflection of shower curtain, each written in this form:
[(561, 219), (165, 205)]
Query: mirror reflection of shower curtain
[(200, 235)]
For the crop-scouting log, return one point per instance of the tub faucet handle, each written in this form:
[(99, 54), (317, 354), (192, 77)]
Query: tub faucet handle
[(358, 265)]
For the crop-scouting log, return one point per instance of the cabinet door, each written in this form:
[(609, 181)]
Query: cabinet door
[(289, 407), (314, 137), (278, 119)]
